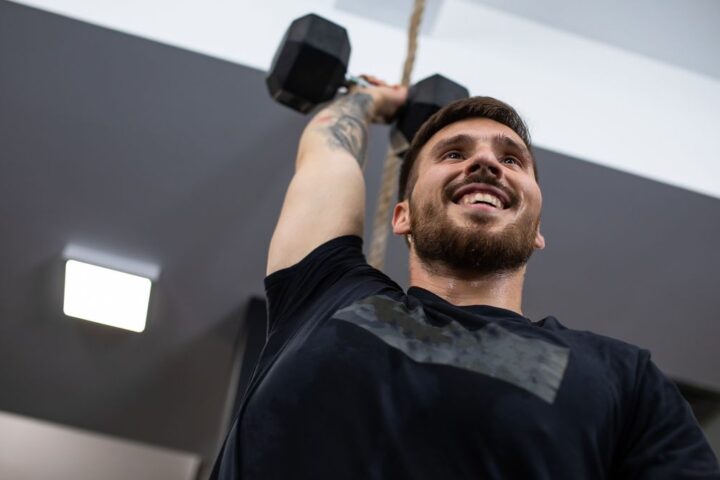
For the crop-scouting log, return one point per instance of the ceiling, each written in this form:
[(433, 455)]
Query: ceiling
[(678, 32)]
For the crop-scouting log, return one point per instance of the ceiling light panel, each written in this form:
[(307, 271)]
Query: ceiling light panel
[(107, 289)]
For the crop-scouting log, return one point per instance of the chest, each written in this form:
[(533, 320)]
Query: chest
[(381, 385)]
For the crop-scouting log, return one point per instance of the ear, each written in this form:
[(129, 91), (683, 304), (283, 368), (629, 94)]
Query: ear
[(539, 239), (401, 218)]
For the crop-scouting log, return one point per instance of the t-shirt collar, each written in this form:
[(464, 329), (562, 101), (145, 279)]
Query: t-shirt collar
[(488, 311)]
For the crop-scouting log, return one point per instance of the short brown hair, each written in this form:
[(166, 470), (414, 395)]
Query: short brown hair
[(474, 107)]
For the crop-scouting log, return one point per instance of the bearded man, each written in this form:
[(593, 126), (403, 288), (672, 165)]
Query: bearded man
[(360, 379)]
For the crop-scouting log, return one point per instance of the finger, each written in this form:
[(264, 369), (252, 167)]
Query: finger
[(374, 80)]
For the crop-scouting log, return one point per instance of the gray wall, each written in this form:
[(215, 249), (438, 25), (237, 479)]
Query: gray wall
[(140, 149)]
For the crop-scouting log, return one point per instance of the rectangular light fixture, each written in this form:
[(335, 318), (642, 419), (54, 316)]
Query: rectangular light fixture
[(100, 288)]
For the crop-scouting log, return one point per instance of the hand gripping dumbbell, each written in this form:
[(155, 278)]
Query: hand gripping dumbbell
[(310, 66)]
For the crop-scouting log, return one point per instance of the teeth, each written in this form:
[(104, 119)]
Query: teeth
[(471, 198)]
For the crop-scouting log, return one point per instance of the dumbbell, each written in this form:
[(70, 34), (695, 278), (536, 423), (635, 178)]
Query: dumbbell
[(310, 66), (424, 99), (311, 63)]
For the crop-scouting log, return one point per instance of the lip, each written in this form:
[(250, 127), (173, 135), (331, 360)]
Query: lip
[(480, 207), (481, 188)]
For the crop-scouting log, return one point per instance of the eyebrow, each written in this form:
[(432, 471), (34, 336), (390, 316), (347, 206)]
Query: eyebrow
[(465, 140)]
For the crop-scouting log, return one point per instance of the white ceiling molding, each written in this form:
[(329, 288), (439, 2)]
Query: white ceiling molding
[(582, 98)]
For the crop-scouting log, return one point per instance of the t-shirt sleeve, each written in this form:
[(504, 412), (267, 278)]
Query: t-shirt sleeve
[(300, 286), (664, 440)]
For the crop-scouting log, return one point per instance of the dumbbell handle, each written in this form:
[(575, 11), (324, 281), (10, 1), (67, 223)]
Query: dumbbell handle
[(354, 80), (418, 108)]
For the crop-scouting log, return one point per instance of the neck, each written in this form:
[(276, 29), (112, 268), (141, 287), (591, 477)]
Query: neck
[(497, 289)]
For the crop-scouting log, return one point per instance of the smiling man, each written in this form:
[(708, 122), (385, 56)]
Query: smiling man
[(360, 379), (471, 204)]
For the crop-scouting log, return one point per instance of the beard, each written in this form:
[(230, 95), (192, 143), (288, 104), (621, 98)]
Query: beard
[(470, 248)]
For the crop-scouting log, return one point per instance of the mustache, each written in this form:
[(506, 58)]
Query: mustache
[(485, 178)]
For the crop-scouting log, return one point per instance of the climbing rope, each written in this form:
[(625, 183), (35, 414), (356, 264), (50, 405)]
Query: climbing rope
[(391, 168)]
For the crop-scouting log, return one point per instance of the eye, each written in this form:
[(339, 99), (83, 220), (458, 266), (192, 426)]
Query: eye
[(511, 161), (453, 155)]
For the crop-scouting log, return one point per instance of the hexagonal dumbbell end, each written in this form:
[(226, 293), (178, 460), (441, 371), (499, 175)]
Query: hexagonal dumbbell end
[(310, 63), (424, 99)]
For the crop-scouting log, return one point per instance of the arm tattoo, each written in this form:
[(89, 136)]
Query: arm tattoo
[(348, 130)]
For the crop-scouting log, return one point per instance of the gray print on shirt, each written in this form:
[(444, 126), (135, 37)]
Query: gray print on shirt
[(533, 364)]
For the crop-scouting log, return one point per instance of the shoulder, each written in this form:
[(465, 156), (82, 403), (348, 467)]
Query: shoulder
[(334, 255), (338, 260), (616, 357), (587, 337), (329, 277)]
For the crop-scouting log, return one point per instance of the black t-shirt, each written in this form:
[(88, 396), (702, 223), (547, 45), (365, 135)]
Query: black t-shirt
[(360, 380)]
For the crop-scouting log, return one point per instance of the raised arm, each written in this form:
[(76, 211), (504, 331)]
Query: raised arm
[(326, 197)]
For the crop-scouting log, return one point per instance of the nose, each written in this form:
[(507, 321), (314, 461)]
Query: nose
[(484, 159)]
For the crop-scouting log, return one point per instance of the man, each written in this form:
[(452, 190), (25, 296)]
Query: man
[(359, 379)]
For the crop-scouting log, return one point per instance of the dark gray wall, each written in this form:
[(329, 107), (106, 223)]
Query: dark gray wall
[(634, 259), (140, 149), (143, 150)]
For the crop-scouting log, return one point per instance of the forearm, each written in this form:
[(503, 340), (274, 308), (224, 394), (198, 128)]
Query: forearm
[(338, 132), (326, 197)]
